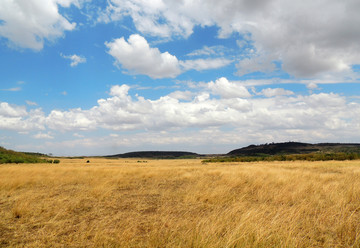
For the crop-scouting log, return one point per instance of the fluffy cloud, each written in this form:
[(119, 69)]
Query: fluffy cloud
[(227, 89), (147, 16), (27, 24), (181, 95), (7, 110), (220, 112), (74, 119), (17, 118), (137, 56), (218, 104), (75, 59), (310, 38)]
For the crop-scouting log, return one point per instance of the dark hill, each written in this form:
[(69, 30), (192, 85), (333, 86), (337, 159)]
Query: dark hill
[(155, 154), (294, 148)]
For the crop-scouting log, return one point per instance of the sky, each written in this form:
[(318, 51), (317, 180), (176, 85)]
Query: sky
[(81, 77)]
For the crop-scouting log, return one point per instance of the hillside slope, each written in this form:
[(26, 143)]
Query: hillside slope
[(155, 154), (295, 148)]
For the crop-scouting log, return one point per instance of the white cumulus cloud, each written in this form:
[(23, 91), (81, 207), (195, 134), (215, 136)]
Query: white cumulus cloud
[(28, 24), (17, 118), (8, 110), (227, 89), (137, 56), (235, 108), (74, 119)]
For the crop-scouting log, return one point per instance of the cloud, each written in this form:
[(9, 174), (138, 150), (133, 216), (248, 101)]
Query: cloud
[(181, 95), (206, 124), (234, 108), (28, 24), (120, 90), (137, 56), (12, 89), (312, 86), (7, 110), (78, 135), (43, 136), (30, 103), (122, 112), (269, 92), (227, 89), (17, 118), (309, 38), (204, 64), (209, 51), (307, 82), (217, 112), (255, 64), (74, 119), (146, 17), (75, 59)]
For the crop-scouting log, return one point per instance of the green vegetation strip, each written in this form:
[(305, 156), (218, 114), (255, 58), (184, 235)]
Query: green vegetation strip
[(9, 156), (287, 157)]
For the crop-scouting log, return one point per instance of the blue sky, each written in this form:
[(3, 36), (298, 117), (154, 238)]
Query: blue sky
[(83, 77)]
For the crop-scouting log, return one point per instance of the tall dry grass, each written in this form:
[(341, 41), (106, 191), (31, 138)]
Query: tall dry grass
[(180, 203)]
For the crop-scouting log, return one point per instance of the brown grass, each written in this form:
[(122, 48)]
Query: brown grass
[(180, 203)]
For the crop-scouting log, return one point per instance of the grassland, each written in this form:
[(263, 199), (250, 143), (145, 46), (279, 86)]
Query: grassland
[(180, 203)]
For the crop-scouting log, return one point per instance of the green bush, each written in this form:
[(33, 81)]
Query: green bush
[(56, 161)]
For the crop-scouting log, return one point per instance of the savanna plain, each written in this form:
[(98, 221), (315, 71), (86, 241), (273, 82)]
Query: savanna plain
[(180, 203)]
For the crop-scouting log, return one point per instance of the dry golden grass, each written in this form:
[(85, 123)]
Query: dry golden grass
[(180, 203)]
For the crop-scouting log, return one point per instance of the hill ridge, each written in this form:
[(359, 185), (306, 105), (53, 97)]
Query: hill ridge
[(154, 154), (294, 148)]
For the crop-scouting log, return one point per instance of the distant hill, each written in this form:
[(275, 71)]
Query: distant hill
[(294, 148), (285, 148), (9, 156), (155, 154)]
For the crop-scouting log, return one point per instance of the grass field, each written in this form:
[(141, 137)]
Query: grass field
[(180, 203)]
